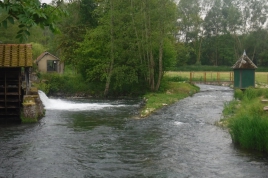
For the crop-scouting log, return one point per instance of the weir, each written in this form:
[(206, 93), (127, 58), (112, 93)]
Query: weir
[(60, 104)]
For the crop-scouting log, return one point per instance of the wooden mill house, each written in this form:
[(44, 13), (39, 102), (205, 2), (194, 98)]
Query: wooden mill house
[(15, 64)]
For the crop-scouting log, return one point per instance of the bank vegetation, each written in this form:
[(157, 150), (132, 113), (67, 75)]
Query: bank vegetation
[(247, 120)]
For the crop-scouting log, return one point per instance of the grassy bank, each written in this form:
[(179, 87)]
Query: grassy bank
[(171, 91), (246, 119)]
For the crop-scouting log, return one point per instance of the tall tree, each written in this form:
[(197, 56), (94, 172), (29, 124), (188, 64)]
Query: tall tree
[(189, 25), (135, 48), (74, 28)]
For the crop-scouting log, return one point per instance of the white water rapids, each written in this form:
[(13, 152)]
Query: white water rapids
[(59, 104)]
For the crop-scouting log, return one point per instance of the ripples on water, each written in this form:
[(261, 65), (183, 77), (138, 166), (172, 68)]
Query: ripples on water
[(108, 141)]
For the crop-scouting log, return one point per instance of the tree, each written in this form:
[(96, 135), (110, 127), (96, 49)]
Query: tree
[(29, 13), (131, 46), (189, 25), (82, 19)]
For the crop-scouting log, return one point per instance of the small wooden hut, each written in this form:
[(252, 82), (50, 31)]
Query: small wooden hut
[(244, 72), (47, 62)]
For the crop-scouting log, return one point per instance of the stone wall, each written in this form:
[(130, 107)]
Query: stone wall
[(33, 108)]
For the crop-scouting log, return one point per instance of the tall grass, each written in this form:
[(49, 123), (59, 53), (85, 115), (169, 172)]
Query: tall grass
[(230, 108), (248, 124), (250, 132)]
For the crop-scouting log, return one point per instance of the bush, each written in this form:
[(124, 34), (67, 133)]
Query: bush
[(67, 84), (238, 94)]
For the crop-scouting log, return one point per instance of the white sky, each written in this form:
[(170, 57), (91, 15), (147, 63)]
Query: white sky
[(46, 1)]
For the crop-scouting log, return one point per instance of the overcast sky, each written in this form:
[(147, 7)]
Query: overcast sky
[(46, 1)]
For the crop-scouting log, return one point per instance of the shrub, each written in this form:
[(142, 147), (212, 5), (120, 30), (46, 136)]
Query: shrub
[(230, 107), (238, 94), (67, 84)]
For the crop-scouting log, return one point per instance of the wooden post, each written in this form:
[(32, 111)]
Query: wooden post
[(205, 77), (211, 76), (190, 77)]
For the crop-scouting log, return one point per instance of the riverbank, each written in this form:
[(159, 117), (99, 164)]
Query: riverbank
[(172, 89), (247, 119), (171, 93)]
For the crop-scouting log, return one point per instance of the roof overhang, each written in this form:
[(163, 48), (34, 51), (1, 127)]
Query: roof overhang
[(16, 55)]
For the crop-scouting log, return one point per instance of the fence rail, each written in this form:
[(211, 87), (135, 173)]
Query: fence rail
[(211, 77), (215, 77)]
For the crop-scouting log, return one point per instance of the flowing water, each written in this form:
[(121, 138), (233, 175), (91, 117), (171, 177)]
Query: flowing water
[(102, 138)]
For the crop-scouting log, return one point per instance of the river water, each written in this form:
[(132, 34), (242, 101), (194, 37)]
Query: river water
[(102, 138)]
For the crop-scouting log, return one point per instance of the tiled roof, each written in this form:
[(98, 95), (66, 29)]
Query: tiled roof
[(44, 54), (16, 55), (244, 63)]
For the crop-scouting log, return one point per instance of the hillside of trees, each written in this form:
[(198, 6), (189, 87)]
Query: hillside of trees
[(126, 45)]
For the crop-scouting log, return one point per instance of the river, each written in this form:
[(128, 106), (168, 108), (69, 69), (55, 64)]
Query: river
[(105, 138)]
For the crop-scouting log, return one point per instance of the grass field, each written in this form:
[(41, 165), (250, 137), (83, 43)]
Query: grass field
[(260, 77)]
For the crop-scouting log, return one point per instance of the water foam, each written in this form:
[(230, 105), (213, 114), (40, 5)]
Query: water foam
[(59, 104)]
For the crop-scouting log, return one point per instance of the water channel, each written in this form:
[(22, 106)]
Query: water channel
[(104, 138)]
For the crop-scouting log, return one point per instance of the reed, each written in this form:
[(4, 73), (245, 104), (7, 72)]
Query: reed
[(248, 122), (250, 131)]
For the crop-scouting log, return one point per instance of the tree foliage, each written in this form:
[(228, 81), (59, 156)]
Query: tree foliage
[(130, 46), (226, 29), (29, 13), (123, 47)]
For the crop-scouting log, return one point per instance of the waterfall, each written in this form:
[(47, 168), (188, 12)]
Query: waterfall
[(59, 104)]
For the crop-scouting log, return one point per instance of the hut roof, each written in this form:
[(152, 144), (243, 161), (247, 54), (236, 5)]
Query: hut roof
[(244, 63), (43, 55), (16, 55)]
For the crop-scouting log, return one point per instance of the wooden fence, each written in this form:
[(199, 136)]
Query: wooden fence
[(212, 77), (215, 77)]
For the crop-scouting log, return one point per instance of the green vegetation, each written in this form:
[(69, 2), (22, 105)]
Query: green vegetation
[(67, 85), (27, 14), (170, 92), (124, 47), (246, 119)]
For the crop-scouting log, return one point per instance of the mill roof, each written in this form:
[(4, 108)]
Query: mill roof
[(43, 55), (16, 55), (244, 63)]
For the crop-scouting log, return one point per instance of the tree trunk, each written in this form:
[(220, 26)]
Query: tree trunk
[(110, 70), (161, 44)]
